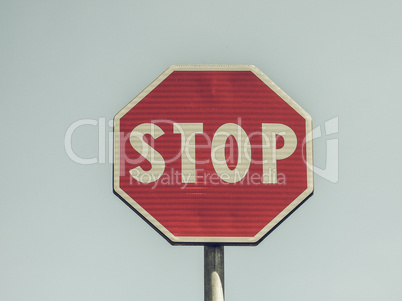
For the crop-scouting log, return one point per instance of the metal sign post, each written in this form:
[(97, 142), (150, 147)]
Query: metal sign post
[(213, 273)]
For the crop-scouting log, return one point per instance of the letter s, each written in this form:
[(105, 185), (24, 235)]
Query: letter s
[(148, 152)]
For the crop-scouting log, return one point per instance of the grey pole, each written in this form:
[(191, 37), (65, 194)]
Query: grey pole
[(213, 273)]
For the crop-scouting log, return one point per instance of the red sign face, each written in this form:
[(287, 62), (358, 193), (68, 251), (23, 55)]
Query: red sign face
[(213, 154)]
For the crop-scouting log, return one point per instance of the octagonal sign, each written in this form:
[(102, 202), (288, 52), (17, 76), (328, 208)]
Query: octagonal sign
[(213, 154)]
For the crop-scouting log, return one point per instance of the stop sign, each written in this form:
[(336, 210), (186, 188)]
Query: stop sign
[(213, 154)]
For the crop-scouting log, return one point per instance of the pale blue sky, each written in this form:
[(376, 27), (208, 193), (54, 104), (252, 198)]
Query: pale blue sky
[(65, 236)]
